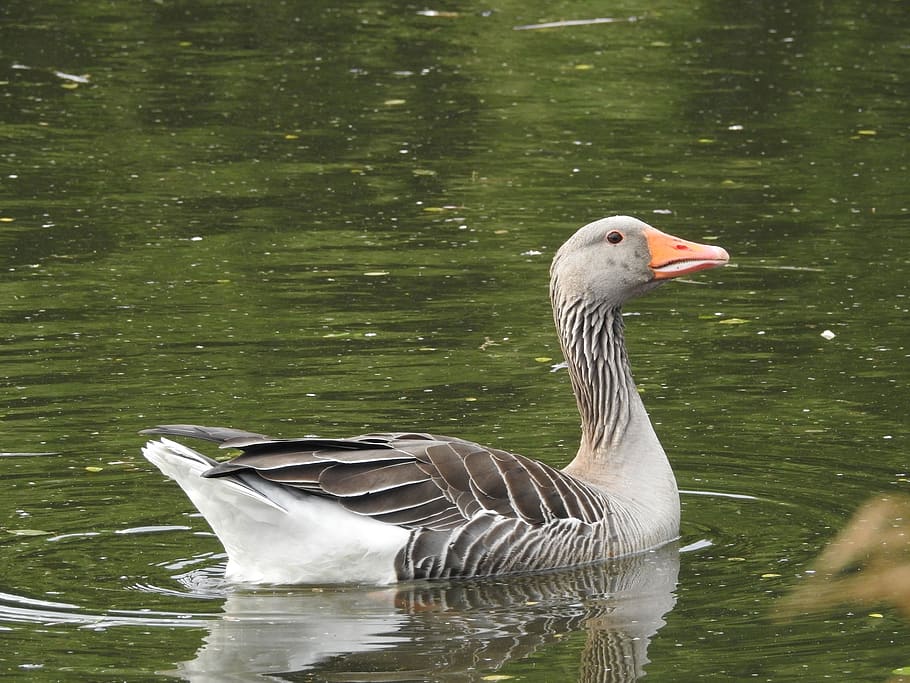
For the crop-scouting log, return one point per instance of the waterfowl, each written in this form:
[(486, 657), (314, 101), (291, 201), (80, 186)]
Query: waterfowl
[(389, 507)]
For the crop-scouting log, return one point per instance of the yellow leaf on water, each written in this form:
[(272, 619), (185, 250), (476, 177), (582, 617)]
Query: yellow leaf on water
[(543, 359), (394, 103), (732, 321), (877, 615), (29, 532), (376, 273), (770, 576), (93, 468), (6, 219)]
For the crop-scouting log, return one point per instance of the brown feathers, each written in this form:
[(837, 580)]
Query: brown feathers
[(412, 480)]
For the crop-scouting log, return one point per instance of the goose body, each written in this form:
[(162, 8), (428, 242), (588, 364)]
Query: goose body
[(389, 507)]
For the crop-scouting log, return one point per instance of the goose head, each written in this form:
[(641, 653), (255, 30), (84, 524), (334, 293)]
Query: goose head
[(615, 259)]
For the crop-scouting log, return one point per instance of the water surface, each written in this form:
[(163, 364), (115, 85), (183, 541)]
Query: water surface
[(328, 220)]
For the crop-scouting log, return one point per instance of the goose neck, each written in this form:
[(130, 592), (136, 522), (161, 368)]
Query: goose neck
[(594, 348)]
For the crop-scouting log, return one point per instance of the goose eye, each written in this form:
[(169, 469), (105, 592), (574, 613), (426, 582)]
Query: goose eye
[(614, 237)]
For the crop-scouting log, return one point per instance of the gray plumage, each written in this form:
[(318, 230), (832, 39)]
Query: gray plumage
[(454, 507), (471, 510)]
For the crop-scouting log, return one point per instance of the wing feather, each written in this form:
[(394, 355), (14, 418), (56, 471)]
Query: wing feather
[(415, 480), (370, 477)]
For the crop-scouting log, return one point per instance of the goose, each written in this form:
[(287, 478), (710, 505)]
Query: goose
[(386, 507)]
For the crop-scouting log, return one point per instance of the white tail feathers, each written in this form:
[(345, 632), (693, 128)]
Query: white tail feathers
[(279, 535)]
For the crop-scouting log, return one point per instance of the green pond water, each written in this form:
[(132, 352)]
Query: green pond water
[(316, 218)]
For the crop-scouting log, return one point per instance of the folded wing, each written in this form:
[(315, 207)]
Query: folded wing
[(417, 481)]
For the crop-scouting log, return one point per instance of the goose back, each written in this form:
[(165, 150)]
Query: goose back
[(470, 509)]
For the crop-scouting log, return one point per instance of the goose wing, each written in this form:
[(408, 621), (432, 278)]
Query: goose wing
[(414, 480)]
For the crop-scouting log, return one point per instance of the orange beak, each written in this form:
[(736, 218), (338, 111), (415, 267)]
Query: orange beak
[(672, 256)]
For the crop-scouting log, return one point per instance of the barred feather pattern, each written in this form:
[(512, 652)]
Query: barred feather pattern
[(591, 335), (471, 510)]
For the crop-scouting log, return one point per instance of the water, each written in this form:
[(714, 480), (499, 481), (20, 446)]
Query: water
[(335, 219)]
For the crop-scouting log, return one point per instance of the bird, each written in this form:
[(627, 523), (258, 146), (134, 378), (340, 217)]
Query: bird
[(388, 507)]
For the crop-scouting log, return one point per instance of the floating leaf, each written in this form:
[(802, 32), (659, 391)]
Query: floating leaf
[(877, 615), (29, 532), (291, 136), (732, 321), (394, 103), (93, 468), (423, 172), (543, 359), (867, 131), (902, 671), (6, 219), (496, 677), (376, 273), (770, 576), (75, 78)]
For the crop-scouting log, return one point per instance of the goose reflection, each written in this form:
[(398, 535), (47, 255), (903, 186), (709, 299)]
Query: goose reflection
[(442, 631)]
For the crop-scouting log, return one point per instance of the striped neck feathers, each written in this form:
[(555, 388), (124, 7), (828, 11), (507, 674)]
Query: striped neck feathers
[(593, 344)]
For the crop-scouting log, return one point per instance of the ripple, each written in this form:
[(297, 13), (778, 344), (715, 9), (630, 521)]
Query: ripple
[(154, 529), (204, 582), (21, 609), (718, 494)]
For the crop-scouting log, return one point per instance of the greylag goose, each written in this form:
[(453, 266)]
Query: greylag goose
[(389, 507)]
